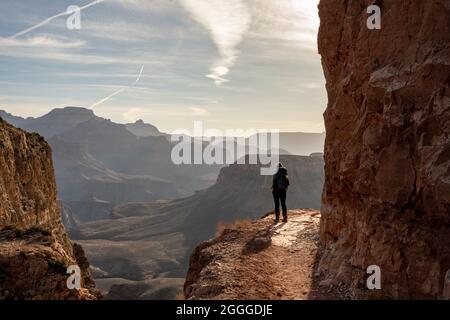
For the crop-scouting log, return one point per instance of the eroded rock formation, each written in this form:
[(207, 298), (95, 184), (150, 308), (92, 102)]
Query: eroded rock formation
[(386, 198), (35, 250)]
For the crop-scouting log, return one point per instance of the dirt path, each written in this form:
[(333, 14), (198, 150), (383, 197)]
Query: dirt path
[(261, 260), (294, 251)]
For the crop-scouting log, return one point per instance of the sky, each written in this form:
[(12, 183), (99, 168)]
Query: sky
[(233, 64)]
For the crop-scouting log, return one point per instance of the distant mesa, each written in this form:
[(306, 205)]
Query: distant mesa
[(316, 154), (53, 123), (60, 120), (142, 129)]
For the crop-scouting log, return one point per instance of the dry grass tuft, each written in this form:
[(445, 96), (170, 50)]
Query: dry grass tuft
[(238, 224), (180, 297)]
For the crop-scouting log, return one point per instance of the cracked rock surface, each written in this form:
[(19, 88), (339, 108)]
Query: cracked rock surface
[(386, 198), (35, 250)]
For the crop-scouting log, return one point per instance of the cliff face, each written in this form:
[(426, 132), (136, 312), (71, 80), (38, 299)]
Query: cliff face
[(34, 248), (386, 198)]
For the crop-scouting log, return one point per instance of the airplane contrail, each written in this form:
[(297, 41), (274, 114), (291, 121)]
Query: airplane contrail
[(101, 101), (139, 76), (107, 98), (65, 13), (48, 20)]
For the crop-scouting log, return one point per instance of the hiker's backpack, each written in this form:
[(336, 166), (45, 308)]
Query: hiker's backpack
[(281, 179)]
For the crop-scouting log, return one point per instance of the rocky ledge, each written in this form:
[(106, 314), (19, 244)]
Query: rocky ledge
[(254, 260)]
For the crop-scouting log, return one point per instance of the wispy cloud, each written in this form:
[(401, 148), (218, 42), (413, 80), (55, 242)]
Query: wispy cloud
[(200, 112), (172, 111), (290, 21), (61, 54), (41, 42), (293, 22), (133, 114), (227, 21), (115, 93), (266, 48)]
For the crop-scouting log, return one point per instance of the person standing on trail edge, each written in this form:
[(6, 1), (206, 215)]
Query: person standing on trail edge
[(280, 185)]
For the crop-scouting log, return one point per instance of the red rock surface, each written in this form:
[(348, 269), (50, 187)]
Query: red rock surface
[(35, 250), (260, 260), (386, 198)]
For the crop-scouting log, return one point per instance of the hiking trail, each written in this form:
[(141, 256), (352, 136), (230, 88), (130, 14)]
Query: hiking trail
[(262, 260)]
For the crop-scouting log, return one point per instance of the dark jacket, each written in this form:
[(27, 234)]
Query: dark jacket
[(280, 179)]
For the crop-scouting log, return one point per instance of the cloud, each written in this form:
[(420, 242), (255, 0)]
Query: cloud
[(61, 54), (147, 5), (199, 112), (41, 42), (227, 21), (291, 21), (121, 30), (182, 112)]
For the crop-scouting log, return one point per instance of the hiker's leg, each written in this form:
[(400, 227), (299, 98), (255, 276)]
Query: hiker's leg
[(283, 203), (276, 199)]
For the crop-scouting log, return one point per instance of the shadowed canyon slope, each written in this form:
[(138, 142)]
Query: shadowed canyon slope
[(99, 163), (35, 250), (91, 190), (143, 241), (386, 200)]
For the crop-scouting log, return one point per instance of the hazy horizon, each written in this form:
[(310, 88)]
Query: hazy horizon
[(169, 63), (124, 122)]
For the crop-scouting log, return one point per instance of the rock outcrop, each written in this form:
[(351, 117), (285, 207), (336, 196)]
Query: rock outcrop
[(386, 198), (35, 250), (256, 260)]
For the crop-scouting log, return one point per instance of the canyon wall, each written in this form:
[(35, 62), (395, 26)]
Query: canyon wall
[(386, 198), (35, 250)]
